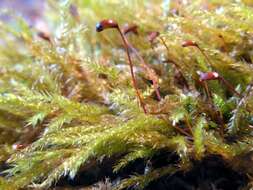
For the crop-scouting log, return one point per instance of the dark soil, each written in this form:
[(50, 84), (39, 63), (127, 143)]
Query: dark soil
[(210, 174)]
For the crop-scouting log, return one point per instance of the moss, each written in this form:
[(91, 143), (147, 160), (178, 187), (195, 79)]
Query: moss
[(67, 99)]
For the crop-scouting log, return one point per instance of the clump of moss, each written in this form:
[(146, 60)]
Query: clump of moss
[(67, 101)]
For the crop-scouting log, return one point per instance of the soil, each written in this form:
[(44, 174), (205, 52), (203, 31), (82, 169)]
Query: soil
[(212, 173)]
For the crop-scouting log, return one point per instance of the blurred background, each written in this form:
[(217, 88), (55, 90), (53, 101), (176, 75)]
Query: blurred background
[(30, 9)]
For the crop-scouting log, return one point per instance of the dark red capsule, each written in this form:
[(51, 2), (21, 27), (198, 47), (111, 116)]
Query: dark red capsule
[(208, 76), (152, 36), (18, 146), (44, 36), (104, 24), (130, 28), (189, 43)]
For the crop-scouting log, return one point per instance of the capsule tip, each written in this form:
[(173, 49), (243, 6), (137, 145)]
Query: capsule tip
[(99, 27)]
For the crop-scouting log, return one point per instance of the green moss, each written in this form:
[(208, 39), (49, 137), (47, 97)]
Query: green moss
[(70, 101)]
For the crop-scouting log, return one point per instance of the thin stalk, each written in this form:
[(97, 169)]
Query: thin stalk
[(164, 43), (188, 124), (208, 93), (149, 70), (204, 54), (190, 43), (131, 70), (230, 87), (224, 43), (177, 127), (175, 64), (221, 122), (167, 48), (226, 83), (218, 114), (181, 131)]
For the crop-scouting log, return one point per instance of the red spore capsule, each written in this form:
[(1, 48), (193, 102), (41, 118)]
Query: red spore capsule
[(105, 24), (44, 36), (189, 43), (208, 76), (18, 146)]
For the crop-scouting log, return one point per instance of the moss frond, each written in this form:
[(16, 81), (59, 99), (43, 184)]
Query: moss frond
[(67, 102)]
